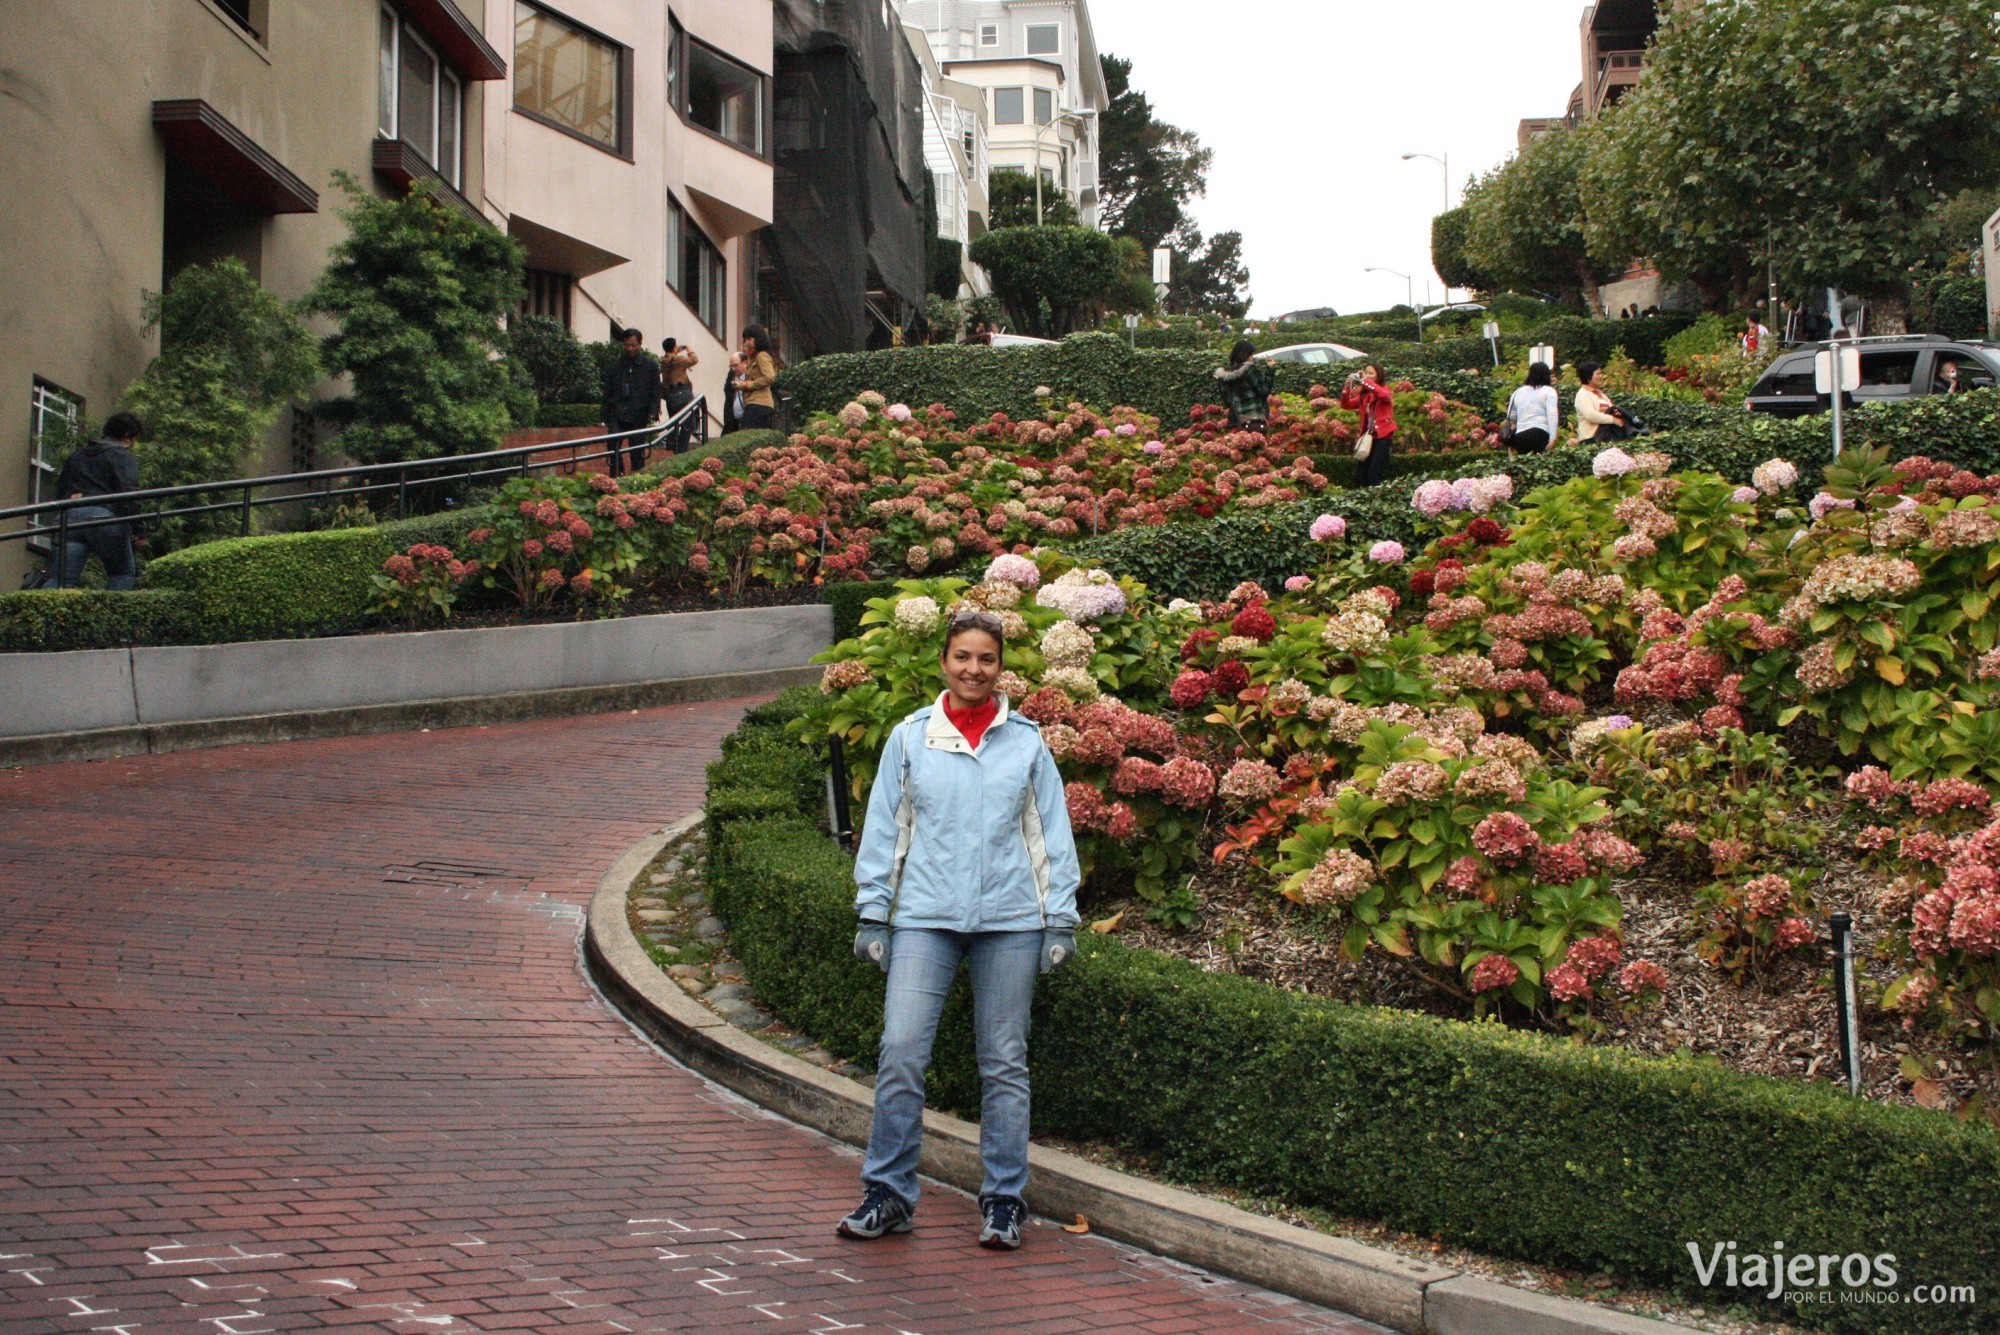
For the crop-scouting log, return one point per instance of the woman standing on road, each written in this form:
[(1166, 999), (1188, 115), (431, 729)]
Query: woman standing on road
[(966, 855), (1366, 394), (1534, 410)]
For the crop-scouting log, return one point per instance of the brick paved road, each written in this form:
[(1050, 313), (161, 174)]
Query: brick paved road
[(295, 1036)]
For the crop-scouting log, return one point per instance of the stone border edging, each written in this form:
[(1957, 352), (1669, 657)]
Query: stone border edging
[(1407, 1295), (454, 712)]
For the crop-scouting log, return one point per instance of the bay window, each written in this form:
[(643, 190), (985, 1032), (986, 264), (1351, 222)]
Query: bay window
[(419, 100), (571, 78)]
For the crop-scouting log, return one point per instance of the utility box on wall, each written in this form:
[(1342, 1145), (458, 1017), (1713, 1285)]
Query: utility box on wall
[(1990, 248)]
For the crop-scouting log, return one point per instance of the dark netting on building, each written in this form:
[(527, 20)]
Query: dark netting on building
[(845, 259)]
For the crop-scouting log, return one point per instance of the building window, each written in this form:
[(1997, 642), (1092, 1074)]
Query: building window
[(55, 427), (1044, 39), (570, 77), (418, 100), (1045, 106), (549, 295), (249, 15), (1007, 106), (695, 269), (989, 34), (718, 94), (965, 41)]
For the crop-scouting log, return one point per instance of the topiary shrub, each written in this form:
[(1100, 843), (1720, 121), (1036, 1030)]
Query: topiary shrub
[(569, 414), (285, 584)]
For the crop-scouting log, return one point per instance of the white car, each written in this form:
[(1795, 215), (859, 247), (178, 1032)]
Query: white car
[(1319, 354), (1017, 340)]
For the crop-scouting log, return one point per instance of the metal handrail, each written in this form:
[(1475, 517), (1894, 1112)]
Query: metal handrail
[(517, 461)]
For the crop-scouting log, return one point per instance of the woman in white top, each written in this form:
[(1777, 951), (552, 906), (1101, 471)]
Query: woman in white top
[(1596, 419), (1534, 410)]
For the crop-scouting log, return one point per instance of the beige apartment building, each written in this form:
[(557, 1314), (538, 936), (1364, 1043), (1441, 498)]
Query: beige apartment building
[(626, 145)]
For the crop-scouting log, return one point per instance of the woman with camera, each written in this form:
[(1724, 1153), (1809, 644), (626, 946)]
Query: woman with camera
[(1365, 393)]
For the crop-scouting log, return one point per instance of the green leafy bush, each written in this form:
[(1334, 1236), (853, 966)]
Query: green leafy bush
[(53, 620), (1950, 304), (285, 584), (1514, 1143), (566, 414), (420, 291), (1098, 368), (553, 361)]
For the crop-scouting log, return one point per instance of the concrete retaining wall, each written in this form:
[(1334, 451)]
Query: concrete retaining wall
[(92, 690)]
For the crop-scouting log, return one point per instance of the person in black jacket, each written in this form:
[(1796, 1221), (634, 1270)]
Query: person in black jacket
[(105, 466), (632, 394)]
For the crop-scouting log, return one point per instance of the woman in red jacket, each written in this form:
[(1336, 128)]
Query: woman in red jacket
[(1366, 394)]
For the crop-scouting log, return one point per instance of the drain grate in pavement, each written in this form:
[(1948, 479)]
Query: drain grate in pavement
[(447, 873)]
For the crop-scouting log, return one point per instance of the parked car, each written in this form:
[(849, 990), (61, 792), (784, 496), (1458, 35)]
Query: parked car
[(1893, 368), (1456, 308), (1319, 354), (1017, 340)]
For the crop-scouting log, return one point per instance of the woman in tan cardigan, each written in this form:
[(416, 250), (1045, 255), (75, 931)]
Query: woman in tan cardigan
[(1596, 418), (760, 372)]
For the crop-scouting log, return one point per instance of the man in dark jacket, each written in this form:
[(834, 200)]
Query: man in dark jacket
[(106, 467), (632, 394)]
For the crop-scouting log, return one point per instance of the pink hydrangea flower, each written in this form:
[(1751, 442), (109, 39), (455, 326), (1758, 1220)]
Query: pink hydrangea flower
[(1327, 528), (1566, 982), (1387, 552), (1640, 977), (1154, 447), (1298, 583), (898, 412)]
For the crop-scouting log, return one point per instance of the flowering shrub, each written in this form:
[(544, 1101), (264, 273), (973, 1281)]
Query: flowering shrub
[(421, 583), (1315, 423)]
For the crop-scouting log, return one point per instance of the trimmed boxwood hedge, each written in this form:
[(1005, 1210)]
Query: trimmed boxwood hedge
[(282, 584), (53, 620), (569, 414), (1099, 369), (1517, 1144)]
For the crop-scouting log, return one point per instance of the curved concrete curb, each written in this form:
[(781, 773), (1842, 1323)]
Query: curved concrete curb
[(1381, 1286)]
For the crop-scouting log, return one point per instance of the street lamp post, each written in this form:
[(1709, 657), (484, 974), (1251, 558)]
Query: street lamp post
[(1040, 130), (1409, 295), (1444, 162)]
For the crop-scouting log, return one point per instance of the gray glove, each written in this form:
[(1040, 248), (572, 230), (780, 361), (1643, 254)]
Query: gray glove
[(871, 943), (1058, 944)]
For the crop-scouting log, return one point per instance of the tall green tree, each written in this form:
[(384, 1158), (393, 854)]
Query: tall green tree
[(1822, 134), (1524, 222), (1147, 170), (421, 291), (1209, 277), (1052, 280), (1010, 202), (1448, 256), (232, 356)]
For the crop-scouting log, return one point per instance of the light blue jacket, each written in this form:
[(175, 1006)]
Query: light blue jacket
[(967, 840)]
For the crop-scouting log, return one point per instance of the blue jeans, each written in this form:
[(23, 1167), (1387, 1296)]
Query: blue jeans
[(110, 543), (922, 964)]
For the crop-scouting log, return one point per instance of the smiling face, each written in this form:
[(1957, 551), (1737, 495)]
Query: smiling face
[(971, 665)]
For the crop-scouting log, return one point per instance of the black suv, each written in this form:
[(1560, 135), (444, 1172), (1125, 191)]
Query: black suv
[(1897, 368)]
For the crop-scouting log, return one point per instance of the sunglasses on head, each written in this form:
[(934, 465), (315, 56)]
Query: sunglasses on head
[(986, 621)]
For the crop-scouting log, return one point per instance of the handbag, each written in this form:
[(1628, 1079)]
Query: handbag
[(1508, 426), (1364, 444)]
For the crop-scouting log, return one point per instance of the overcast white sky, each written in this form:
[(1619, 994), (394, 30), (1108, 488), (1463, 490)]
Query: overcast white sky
[(1310, 105)]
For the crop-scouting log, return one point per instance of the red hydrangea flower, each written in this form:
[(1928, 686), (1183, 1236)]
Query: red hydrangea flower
[(1486, 532), (1640, 977), (1560, 864), (1494, 972), (1256, 622), (1793, 932), (1086, 806), (1566, 982), (1231, 677), (1192, 646), (1505, 838), (1191, 688), (1423, 582), (1186, 782), (1592, 956)]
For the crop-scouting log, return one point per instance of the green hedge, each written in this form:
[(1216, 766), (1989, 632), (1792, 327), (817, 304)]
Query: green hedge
[(733, 449), (1341, 470), (1207, 560), (283, 584), (446, 528), (850, 600), (1099, 369), (1517, 1144), (52, 620), (568, 414)]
